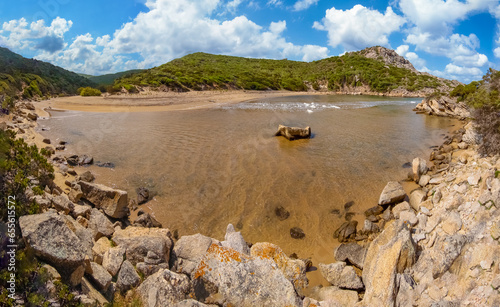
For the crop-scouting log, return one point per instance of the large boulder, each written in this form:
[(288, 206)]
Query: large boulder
[(100, 225), (113, 202), (100, 277), (189, 250), (293, 133), (62, 203), (138, 241), (49, 236), (443, 106), (392, 193), (242, 280), (390, 254), (112, 259), (164, 288), (293, 270)]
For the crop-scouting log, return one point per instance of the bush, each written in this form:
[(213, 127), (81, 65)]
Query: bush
[(89, 91), (487, 120)]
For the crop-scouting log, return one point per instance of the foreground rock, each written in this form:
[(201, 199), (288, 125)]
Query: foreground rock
[(443, 106), (392, 193), (164, 288), (113, 202), (293, 133)]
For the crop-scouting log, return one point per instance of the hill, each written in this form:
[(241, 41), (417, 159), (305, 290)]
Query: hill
[(27, 78), (109, 79), (372, 70)]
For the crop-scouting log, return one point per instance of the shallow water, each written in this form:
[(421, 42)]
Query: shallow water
[(211, 167)]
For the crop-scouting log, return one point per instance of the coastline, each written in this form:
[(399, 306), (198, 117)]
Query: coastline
[(454, 154)]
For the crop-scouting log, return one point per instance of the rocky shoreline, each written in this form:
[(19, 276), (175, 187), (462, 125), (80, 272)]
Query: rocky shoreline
[(437, 246)]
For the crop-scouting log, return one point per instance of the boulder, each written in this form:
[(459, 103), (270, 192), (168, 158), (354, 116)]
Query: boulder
[(416, 198), (138, 241), (89, 290), (100, 247), (84, 234), (85, 160), (293, 133), (112, 259), (146, 220), (75, 193), (377, 210), (404, 206), (149, 269), (341, 275), (344, 298), (32, 116), (127, 277), (390, 253), (100, 277), (164, 288), (346, 231), (293, 270), (189, 250), (392, 193), (49, 236), (471, 136), (87, 177), (242, 280), (100, 225), (142, 195), (352, 253), (419, 168), (233, 239), (81, 210), (113, 202), (62, 203)]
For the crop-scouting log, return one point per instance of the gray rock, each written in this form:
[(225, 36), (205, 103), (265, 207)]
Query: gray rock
[(112, 259), (164, 288), (92, 293), (471, 137), (370, 227), (87, 177), (346, 231), (113, 202), (100, 225), (191, 303), (62, 203), (84, 234), (424, 180), (138, 241), (419, 168), (49, 236), (189, 250), (351, 252), (436, 197), (474, 179), (127, 277), (404, 206), (234, 240), (100, 277), (409, 216), (242, 280), (149, 269), (146, 220), (340, 275), (416, 198), (81, 210), (392, 193), (142, 195)]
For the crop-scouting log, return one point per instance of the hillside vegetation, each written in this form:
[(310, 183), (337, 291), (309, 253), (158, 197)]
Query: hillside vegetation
[(27, 78), (202, 71), (109, 79)]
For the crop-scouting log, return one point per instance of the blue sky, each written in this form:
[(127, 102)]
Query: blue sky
[(448, 38)]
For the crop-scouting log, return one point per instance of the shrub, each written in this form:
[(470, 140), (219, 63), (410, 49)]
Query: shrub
[(487, 119), (89, 91)]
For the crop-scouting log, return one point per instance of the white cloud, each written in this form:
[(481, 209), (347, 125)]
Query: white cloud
[(303, 4), (404, 51), (453, 69), (276, 3), (497, 52), (359, 27), (232, 5)]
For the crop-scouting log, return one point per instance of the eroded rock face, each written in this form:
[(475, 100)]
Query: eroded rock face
[(242, 280), (53, 241), (113, 202), (164, 288), (392, 193), (443, 106), (293, 133)]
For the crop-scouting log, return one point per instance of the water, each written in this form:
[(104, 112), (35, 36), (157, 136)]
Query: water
[(210, 167)]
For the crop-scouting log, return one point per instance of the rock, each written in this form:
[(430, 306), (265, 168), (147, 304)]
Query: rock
[(164, 288), (351, 253), (72, 160), (92, 293), (50, 149), (346, 231), (389, 254), (404, 206), (85, 160), (149, 269), (416, 198), (474, 179), (139, 241), (370, 227), (75, 193), (242, 280), (436, 197), (112, 259), (234, 240), (146, 220), (100, 225), (113, 202), (374, 211), (189, 250), (293, 133), (62, 203), (81, 210), (392, 193), (452, 223), (84, 234), (32, 116), (293, 270), (191, 303), (409, 216), (60, 147), (100, 247), (297, 233), (142, 195), (340, 275), (347, 298), (87, 177), (471, 137), (100, 277), (105, 164), (424, 180), (495, 230), (419, 168), (49, 236), (46, 141), (127, 277), (281, 213)]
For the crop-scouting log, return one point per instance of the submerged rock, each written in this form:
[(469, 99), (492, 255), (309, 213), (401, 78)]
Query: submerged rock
[(297, 233), (142, 195), (281, 213), (293, 133), (346, 231)]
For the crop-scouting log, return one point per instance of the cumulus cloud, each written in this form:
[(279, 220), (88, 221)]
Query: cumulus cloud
[(497, 52), (18, 34), (404, 51), (359, 27), (303, 4)]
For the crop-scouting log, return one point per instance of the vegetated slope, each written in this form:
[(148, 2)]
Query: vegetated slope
[(109, 79), (28, 77), (374, 69)]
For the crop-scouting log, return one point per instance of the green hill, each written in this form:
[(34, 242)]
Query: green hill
[(377, 69), (109, 79), (27, 78)]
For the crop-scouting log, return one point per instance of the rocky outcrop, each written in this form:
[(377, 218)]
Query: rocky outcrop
[(443, 106), (293, 133), (113, 202)]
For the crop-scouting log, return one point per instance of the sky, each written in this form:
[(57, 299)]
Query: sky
[(447, 38)]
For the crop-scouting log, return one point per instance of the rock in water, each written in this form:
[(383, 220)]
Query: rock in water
[(297, 233), (392, 193), (346, 231), (293, 133), (113, 202), (142, 195)]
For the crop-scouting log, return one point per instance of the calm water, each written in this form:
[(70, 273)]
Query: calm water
[(211, 167)]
